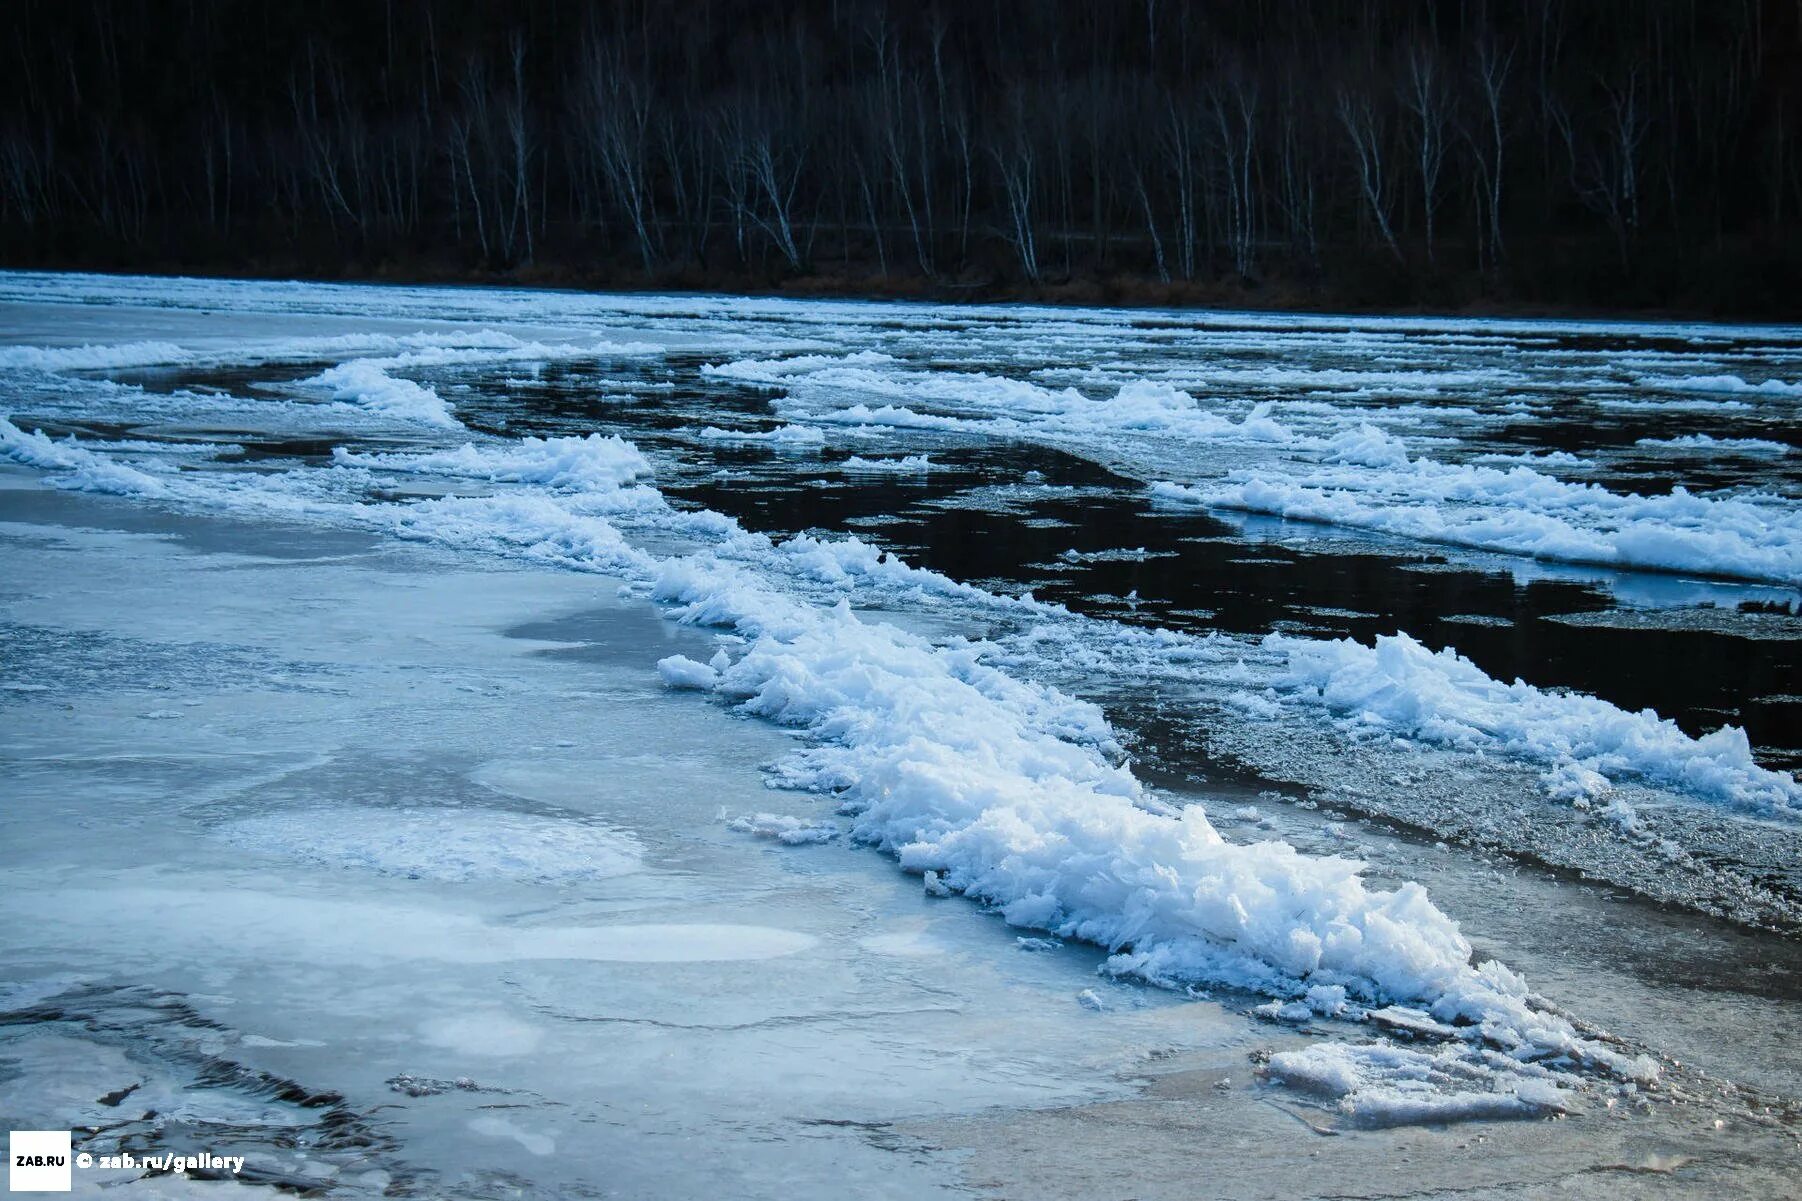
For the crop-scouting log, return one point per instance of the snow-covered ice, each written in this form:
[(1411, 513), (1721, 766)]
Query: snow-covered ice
[(438, 844), (980, 737)]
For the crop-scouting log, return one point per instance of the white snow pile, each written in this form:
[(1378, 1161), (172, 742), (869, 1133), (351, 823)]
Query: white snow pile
[(1382, 1084), (1137, 554), (777, 371), (91, 357), (1145, 405), (366, 382), (904, 465), (1016, 796), (569, 464), (790, 831), (1568, 780), (1524, 512), (1322, 1000), (892, 416), (438, 844), (1366, 446), (571, 493), (784, 435), (1533, 458), (523, 525), (76, 468), (1707, 442), (1399, 686), (1729, 384)]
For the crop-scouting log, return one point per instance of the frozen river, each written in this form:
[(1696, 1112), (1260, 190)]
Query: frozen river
[(474, 743)]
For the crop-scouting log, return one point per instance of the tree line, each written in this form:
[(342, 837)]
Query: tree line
[(1362, 152)]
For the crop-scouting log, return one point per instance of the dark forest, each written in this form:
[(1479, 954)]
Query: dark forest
[(1544, 155)]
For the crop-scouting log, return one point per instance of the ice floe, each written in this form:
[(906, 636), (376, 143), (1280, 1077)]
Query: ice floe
[(784, 435), (790, 831), (1521, 511), (1710, 444), (575, 464), (1442, 697), (366, 382), (1382, 1084)]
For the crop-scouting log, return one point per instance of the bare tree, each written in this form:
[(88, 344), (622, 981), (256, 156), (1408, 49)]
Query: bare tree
[(1180, 151), (1016, 163), (520, 147), (619, 117), (1424, 96), (1358, 117), (1295, 176), (1234, 108), (1606, 167), (777, 176), (1485, 137)]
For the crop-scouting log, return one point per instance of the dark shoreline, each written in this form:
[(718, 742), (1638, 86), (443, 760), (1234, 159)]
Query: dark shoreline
[(1122, 292)]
